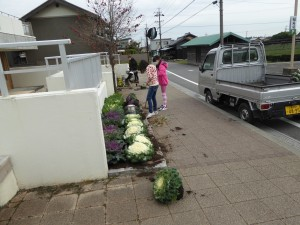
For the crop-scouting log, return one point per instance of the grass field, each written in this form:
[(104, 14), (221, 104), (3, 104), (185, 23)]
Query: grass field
[(281, 49)]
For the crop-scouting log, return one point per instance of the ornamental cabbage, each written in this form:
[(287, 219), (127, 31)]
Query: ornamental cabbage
[(135, 122), (133, 130), (130, 116), (139, 152), (167, 186), (143, 139)]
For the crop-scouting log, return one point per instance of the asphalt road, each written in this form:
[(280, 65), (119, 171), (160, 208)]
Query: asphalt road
[(187, 77)]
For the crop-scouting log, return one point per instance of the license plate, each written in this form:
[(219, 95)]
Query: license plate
[(293, 109)]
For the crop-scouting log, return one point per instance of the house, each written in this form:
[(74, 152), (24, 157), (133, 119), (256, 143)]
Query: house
[(176, 50), (197, 48), (155, 44), (11, 30), (53, 20), (123, 43)]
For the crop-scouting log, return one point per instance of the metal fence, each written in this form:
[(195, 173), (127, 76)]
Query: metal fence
[(84, 69), (80, 71)]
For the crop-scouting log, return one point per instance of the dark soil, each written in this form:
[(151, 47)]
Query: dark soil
[(181, 191)]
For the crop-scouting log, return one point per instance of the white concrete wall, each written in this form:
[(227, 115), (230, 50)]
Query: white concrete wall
[(56, 82), (108, 79), (120, 69), (29, 79), (8, 188), (11, 25), (55, 137)]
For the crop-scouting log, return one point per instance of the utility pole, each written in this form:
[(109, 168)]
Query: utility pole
[(221, 23), (294, 37), (159, 14), (147, 45)]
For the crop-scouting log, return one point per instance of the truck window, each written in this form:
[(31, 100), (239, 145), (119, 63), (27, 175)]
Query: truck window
[(239, 56), (209, 62)]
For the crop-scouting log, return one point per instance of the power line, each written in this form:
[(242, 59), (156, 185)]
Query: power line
[(188, 18), (179, 12)]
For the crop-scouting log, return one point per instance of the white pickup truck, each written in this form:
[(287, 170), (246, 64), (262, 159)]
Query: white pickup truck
[(236, 75)]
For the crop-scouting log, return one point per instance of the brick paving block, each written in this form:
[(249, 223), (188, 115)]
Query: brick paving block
[(120, 193), (6, 213), (237, 193), (283, 205), (91, 199), (292, 221), (121, 212), (190, 218), (30, 208), (255, 212), (185, 162), (211, 197), (287, 184), (215, 168), (260, 162), (19, 196), (237, 165), (151, 208), (97, 185), (4, 222), (292, 168), (199, 182), (191, 171), (143, 189), (27, 221), (264, 188), (285, 159), (274, 222), (272, 171), (223, 215), (89, 216), (248, 175), (163, 220), (118, 181), (36, 195), (296, 197), (62, 203), (57, 218), (224, 178), (187, 203)]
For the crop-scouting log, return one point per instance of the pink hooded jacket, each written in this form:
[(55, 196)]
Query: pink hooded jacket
[(162, 73)]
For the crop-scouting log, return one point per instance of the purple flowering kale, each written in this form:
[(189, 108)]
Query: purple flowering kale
[(113, 115), (114, 146), (110, 129)]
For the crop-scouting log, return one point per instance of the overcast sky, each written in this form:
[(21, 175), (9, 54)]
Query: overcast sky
[(243, 17)]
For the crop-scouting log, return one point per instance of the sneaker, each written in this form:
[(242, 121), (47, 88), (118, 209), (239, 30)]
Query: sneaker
[(155, 112), (150, 115), (160, 107), (163, 108)]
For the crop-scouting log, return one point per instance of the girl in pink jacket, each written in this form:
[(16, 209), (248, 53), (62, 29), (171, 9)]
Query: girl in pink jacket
[(163, 80)]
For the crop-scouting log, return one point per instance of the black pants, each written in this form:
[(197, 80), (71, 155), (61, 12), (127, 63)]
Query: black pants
[(136, 77)]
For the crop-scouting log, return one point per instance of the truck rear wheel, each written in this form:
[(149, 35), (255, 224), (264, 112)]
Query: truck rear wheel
[(245, 113), (209, 98)]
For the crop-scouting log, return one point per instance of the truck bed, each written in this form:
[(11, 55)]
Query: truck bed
[(275, 88)]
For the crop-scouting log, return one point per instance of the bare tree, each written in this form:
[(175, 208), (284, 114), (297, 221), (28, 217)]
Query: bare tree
[(112, 21)]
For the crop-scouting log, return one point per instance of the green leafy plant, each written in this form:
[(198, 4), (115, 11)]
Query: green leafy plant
[(296, 76), (114, 102), (167, 185), (139, 152)]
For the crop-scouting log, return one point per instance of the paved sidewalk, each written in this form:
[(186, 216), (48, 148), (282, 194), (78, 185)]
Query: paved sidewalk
[(232, 176)]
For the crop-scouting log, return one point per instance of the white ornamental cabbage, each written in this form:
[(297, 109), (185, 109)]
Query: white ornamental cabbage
[(131, 116), (135, 122), (133, 130), (143, 139), (139, 152)]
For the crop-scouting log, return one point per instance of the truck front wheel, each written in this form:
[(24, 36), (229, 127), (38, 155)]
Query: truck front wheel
[(245, 113), (209, 98)]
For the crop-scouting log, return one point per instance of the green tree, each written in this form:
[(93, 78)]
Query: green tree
[(281, 35), (111, 21), (133, 48)]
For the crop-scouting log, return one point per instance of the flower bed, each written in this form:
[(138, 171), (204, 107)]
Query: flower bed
[(127, 141)]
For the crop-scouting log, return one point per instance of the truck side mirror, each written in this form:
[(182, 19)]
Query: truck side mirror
[(201, 69)]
